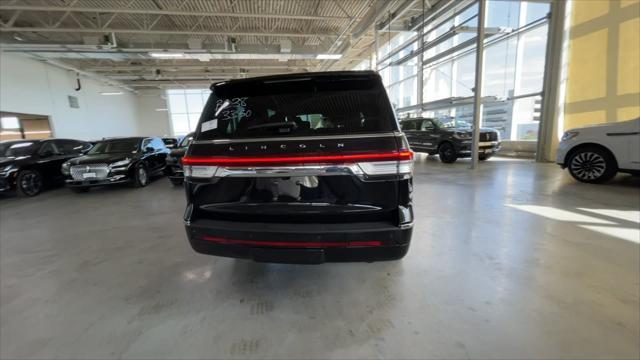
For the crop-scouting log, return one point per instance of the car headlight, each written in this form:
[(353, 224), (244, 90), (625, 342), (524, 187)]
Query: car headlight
[(6, 168), (65, 168), (568, 135), (462, 135), (124, 162)]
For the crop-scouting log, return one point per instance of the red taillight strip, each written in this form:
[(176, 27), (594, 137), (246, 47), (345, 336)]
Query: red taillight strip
[(288, 160), (289, 244)]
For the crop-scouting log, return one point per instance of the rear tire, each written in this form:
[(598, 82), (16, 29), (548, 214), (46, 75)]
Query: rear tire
[(447, 153), (140, 176), (483, 157), (592, 164), (29, 183), (81, 189)]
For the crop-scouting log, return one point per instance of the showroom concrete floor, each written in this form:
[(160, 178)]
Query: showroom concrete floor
[(515, 260)]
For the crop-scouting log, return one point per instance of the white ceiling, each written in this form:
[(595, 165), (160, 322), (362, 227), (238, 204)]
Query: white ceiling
[(218, 39)]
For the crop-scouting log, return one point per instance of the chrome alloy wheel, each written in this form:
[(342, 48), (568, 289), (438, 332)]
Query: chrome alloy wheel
[(588, 166)]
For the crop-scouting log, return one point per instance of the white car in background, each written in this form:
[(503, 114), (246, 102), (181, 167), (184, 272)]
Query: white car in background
[(594, 154)]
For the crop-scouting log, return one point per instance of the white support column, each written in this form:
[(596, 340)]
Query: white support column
[(375, 38), (517, 87), (552, 112), (420, 69), (477, 101)]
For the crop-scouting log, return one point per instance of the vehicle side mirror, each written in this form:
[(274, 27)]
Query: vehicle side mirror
[(149, 149)]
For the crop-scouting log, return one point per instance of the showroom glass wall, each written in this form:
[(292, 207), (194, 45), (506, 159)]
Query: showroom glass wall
[(185, 107), (515, 46)]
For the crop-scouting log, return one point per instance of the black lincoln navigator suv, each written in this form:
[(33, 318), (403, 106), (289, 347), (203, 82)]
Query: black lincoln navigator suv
[(302, 168)]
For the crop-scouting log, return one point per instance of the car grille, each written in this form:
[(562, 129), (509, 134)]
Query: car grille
[(489, 136), (101, 171)]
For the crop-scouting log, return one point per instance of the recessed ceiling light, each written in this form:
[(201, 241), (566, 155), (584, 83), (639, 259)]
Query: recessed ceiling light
[(328, 56), (166, 55), (161, 109), (111, 93)]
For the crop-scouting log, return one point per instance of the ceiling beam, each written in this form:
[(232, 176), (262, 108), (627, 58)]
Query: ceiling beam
[(404, 7), (188, 67), (12, 20), (162, 32), (190, 76), (171, 12), (97, 77), (176, 83)]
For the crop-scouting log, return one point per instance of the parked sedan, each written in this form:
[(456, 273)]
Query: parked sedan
[(131, 160), (594, 154), (450, 138), (174, 161), (28, 166)]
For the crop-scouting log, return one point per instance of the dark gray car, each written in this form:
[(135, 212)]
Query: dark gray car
[(450, 139)]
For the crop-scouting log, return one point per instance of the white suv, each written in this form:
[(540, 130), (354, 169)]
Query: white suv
[(594, 154)]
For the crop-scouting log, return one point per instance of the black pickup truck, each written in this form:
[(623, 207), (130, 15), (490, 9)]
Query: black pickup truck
[(450, 138)]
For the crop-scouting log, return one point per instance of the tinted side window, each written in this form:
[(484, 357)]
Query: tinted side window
[(70, 147), (146, 143), (408, 125), (427, 125), (48, 147)]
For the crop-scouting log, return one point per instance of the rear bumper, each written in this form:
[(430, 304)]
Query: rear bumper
[(300, 243)]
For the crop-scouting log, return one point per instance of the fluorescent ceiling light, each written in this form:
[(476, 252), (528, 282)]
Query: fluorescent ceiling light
[(111, 93), (328, 56), (166, 55), (161, 109)]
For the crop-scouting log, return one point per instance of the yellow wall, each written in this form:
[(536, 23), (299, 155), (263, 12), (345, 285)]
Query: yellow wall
[(603, 75)]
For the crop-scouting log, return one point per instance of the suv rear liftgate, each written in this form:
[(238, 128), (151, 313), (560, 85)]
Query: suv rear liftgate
[(302, 168)]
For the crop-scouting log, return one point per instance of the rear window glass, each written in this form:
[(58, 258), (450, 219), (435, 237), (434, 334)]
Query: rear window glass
[(297, 107)]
